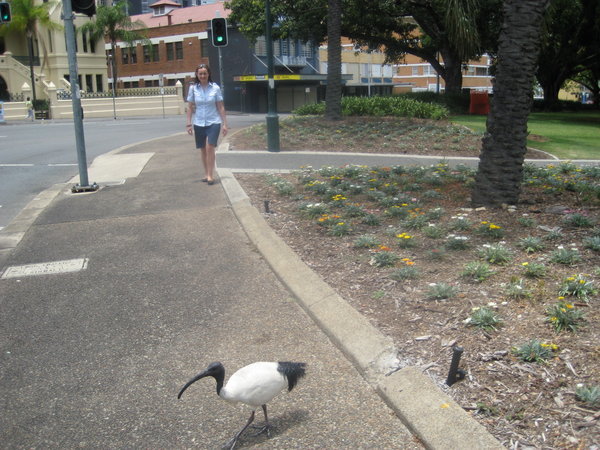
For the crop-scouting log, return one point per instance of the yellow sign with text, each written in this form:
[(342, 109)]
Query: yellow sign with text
[(266, 77)]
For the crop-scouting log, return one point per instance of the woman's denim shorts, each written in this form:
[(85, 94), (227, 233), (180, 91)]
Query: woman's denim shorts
[(211, 132)]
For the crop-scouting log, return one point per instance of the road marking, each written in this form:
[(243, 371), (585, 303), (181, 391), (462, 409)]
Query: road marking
[(46, 268), (40, 165), (16, 165)]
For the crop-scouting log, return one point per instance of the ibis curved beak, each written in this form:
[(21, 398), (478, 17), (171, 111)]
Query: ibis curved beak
[(192, 381)]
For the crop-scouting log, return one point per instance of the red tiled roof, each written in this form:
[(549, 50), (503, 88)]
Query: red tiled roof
[(201, 13)]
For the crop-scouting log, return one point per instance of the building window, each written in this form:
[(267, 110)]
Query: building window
[(416, 71), (99, 84), (92, 44), (132, 55), (179, 50), (170, 52), (155, 56), (306, 50), (85, 42), (89, 86), (146, 54), (481, 71), (203, 48), (260, 47), (124, 56)]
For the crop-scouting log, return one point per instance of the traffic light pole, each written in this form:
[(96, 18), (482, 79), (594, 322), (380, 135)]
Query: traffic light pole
[(221, 79), (83, 185), (272, 118)]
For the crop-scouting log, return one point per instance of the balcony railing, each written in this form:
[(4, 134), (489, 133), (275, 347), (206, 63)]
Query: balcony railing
[(25, 60), (292, 60)]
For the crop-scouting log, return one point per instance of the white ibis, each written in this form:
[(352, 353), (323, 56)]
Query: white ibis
[(254, 385)]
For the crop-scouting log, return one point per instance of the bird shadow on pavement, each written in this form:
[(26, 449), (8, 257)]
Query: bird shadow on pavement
[(280, 423)]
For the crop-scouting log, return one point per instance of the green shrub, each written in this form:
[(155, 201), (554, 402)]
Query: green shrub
[(399, 106)]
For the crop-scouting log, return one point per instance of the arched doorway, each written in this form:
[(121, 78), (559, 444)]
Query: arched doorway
[(4, 96)]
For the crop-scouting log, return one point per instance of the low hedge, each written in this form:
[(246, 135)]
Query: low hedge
[(399, 106)]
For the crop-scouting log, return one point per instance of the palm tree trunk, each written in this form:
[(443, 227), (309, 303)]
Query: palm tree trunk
[(500, 173), (333, 96), (31, 72)]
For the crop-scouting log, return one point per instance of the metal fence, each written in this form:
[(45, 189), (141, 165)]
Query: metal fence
[(63, 94)]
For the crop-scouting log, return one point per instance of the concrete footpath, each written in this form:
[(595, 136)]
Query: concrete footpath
[(111, 301)]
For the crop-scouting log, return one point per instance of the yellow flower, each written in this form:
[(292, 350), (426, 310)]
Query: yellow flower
[(525, 264)]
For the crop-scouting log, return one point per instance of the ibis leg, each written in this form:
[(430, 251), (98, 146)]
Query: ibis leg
[(231, 444), (267, 427)]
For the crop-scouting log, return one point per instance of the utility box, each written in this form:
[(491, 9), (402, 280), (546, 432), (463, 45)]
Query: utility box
[(480, 103)]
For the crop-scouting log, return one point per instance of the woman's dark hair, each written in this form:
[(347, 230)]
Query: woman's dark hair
[(202, 66)]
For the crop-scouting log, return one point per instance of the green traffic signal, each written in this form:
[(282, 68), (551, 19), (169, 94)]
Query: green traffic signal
[(219, 31), (5, 12)]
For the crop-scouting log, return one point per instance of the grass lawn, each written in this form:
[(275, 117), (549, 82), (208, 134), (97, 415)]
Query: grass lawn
[(565, 135)]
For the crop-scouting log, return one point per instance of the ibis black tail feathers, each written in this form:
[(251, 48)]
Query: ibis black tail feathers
[(292, 371)]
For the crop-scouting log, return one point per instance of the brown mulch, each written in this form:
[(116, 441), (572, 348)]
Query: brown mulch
[(523, 404)]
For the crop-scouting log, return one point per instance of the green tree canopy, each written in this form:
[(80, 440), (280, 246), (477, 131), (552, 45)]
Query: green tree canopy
[(114, 24), (570, 44), (456, 30), (26, 18)]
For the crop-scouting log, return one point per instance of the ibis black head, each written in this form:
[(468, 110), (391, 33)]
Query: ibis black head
[(215, 370)]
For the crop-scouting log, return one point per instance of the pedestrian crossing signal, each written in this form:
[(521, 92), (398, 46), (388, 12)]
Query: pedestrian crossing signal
[(5, 16), (219, 31)]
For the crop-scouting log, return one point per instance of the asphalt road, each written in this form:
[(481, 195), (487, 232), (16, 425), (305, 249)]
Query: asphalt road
[(34, 156)]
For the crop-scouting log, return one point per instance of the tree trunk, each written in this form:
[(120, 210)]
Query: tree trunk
[(333, 97), (500, 173), (31, 71), (551, 91), (452, 74)]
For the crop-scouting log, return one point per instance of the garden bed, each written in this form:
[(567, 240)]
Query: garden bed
[(515, 287)]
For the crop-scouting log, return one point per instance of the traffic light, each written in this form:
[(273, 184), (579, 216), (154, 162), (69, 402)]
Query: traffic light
[(5, 12), (219, 31), (87, 7)]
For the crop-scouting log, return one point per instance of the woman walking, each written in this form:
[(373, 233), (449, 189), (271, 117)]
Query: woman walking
[(205, 100)]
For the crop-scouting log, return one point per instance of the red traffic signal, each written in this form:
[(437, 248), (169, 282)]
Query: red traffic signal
[(87, 7), (219, 31), (5, 16)]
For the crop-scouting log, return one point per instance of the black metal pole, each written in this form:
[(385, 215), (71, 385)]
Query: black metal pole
[(455, 374), (272, 118)]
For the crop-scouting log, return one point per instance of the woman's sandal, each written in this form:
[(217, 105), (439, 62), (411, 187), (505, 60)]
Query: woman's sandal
[(204, 180)]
